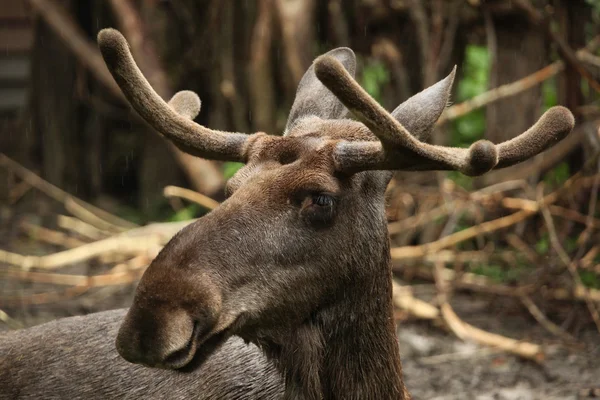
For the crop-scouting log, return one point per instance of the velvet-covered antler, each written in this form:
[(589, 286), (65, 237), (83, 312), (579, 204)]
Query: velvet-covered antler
[(398, 149), (186, 134)]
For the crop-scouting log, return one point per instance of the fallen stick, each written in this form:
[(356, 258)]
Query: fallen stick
[(81, 228), (544, 321), (46, 235), (9, 321), (93, 218), (42, 298), (408, 252), (190, 195), (568, 263), (533, 206), (404, 300), (119, 244), (135, 264), (466, 331), (113, 278), (62, 196), (419, 251), (482, 284)]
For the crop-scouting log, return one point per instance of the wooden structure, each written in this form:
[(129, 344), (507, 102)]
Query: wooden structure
[(16, 38)]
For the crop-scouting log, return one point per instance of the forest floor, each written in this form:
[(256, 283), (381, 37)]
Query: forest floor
[(437, 365)]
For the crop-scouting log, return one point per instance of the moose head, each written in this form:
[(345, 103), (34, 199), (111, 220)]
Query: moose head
[(296, 259)]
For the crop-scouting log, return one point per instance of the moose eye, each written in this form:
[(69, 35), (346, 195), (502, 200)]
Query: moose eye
[(322, 200), (318, 209)]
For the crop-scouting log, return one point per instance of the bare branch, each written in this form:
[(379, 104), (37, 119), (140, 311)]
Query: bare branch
[(116, 223), (514, 88), (563, 48), (198, 198)]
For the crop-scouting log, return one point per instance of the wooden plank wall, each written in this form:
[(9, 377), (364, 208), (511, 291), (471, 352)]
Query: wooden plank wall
[(16, 39)]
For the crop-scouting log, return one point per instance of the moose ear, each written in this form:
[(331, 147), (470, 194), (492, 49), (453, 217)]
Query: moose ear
[(419, 113), (314, 99)]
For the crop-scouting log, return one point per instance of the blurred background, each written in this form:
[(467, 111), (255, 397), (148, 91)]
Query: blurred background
[(497, 278)]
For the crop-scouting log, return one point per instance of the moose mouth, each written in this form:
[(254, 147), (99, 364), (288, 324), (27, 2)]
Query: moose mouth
[(197, 350)]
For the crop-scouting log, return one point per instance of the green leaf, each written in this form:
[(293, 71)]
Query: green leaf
[(185, 214), (476, 67), (374, 76), (590, 279), (230, 168), (558, 175)]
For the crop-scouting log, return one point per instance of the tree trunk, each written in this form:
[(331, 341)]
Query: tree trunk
[(521, 49), (54, 108)]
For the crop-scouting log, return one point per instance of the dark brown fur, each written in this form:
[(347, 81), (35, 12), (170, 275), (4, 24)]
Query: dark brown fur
[(296, 260)]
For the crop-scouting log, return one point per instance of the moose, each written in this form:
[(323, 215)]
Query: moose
[(285, 289)]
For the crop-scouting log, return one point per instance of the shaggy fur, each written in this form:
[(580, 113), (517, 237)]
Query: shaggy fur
[(296, 261), (76, 359)]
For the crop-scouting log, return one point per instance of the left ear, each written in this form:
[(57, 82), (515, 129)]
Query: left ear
[(419, 113), (314, 99)]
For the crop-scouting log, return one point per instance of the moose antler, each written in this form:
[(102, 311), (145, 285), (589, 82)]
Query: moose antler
[(186, 134), (397, 149)]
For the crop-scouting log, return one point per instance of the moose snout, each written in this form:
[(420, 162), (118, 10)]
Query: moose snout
[(159, 338)]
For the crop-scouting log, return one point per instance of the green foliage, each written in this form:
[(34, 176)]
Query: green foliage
[(131, 214), (374, 76), (595, 5), (571, 244), (471, 127), (230, 168), (465, 182), (497, 273), (543, 245), (185, 214), (557, 175), (549, 94), (476, 68), (591, 27), (160, 211), (590, 279)]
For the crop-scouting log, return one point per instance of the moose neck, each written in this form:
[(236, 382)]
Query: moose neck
[(361, 356), (348, 349)]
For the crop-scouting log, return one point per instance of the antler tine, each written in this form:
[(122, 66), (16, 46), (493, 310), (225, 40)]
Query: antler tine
[(186, 134), (401, 150), (551, 128), (398, 149), (186, 103)]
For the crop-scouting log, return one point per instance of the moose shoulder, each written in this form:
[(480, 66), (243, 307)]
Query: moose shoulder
[(296, 260)]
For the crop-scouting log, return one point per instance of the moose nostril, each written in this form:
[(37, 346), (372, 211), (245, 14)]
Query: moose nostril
[(179, 358)]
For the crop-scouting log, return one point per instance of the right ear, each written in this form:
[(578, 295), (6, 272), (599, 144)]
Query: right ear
[(314, 99), (419, 113)]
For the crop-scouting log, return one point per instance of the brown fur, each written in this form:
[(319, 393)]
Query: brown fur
[(76, 359), (296, 260)]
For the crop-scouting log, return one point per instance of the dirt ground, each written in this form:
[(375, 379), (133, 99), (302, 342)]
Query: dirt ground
[(438, 366)]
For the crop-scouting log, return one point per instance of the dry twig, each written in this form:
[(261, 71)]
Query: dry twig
[(116, 223), (569, 264), (544, 321), (190, 195), (404, 300), (513, 88), (118, 244), (466, 331)]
